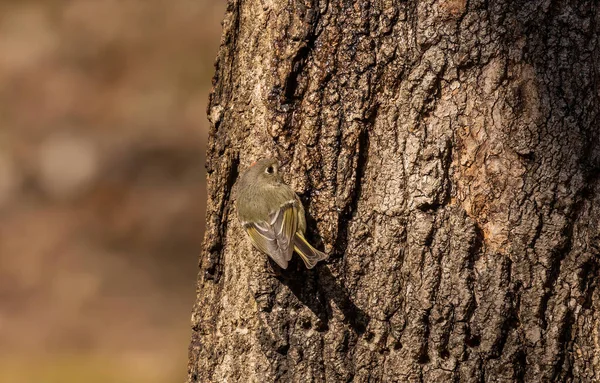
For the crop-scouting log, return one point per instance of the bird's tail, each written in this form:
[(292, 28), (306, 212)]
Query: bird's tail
[(309, 254)]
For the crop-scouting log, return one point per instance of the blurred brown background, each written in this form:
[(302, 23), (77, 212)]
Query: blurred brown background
[(102, 139)]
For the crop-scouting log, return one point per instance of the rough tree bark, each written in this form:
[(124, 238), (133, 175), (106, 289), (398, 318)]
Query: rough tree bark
[(448, 155)]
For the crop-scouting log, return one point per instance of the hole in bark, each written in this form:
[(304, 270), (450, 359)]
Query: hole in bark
[(369, 336), (321, 326), (423, 358), (474, 341), (266, 309), (283, 349), (444, 354), (306, 324), (397, 345), (358, 326), (527, 156)]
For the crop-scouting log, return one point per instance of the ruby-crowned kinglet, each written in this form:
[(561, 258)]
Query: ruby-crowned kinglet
[(273, 215)]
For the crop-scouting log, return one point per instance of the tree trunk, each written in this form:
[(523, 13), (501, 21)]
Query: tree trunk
[(448, 155)]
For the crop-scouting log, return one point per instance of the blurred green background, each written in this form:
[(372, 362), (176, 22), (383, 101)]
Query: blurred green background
[(102, 185)]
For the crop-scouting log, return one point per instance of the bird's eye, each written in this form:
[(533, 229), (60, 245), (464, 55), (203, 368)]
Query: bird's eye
[(270, 169)]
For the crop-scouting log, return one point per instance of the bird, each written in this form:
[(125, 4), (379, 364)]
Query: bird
[(272, 215)]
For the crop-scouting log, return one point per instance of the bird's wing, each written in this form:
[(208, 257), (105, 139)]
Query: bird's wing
[(275, 237), (284, 223)]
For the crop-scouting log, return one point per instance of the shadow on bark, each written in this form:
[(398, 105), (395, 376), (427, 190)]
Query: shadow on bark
[(328, 289)]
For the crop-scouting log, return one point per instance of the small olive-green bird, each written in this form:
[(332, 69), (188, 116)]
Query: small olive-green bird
[(273, 215)]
